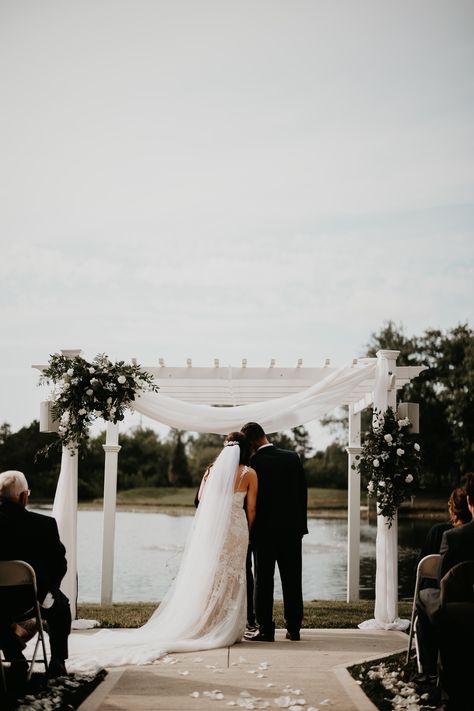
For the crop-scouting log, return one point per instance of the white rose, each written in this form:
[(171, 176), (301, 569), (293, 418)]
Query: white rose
[(70, 372), (376, 463), (388, 438), (417, 447), (408, 478), (121, 379), (91, 370), (89, 391), (400, 451), (82, 411)]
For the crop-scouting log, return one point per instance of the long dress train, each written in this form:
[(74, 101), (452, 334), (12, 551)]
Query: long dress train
[(205, 606)]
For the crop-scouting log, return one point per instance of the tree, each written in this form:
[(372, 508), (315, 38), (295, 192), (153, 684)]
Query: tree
[(18, 450), (302, 443), (178, 470), (328, 469), (203, 449), (445, 394)]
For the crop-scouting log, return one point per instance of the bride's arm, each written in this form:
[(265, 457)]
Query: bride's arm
[(203, 483), (251, 497)]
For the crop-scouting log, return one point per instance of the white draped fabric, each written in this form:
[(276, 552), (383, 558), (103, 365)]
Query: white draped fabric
[(274, 415), (65, 513)]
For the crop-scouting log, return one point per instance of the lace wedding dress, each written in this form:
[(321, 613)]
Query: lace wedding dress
[(205, 606)]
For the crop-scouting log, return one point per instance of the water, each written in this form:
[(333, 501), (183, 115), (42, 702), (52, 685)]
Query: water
[(148, 548)]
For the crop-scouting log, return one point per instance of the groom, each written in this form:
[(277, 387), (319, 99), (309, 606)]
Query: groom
[(277, 533)]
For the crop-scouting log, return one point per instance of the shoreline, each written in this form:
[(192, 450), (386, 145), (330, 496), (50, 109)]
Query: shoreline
[(334, 512)]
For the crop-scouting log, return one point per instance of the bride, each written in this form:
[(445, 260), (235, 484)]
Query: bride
[(205, 607)]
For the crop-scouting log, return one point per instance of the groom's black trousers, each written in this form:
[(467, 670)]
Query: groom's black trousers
[(286, 552)]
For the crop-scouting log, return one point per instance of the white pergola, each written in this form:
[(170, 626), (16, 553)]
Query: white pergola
[(242, 385)]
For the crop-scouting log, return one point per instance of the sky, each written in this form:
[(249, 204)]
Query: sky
[(219, 179)]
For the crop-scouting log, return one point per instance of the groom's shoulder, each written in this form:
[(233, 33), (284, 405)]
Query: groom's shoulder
[(284, 454)]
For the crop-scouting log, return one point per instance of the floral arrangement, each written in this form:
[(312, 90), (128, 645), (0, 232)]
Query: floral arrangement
[(390, 462), (84, 391)]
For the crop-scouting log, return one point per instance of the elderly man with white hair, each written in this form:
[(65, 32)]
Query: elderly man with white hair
[(34, 538)]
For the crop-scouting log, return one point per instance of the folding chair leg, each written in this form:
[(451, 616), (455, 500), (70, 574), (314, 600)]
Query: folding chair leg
[(2, 673)]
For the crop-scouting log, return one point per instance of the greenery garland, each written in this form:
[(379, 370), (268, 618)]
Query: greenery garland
[(389, 462), (84, 391)]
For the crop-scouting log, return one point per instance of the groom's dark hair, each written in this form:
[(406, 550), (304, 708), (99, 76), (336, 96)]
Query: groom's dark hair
[(253, 431)]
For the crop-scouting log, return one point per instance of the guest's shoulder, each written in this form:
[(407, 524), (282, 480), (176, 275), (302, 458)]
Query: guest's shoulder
[(458, 532), (40, 519), (439, 528)]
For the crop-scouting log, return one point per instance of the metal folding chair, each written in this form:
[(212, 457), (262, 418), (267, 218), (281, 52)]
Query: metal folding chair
[(15, 573), (427, 568)]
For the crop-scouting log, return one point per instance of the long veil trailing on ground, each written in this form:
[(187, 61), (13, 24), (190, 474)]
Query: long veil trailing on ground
[(189, 617)]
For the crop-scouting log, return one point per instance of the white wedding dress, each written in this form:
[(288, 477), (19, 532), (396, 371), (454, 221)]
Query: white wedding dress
[(205, 606)]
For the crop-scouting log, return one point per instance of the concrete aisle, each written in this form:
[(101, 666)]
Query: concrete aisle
[(250, 674)]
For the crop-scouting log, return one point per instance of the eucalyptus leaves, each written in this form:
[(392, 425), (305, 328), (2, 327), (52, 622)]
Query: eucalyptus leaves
[(389, 462), (84, 391)]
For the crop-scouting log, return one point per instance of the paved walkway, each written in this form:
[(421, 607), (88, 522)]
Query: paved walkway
[(252, 675)]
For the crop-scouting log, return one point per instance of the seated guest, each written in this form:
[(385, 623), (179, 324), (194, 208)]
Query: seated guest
[(34, 538), (457, 545), (426, 632), (455, 619)]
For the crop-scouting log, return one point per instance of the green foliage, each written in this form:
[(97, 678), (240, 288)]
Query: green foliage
[(84, 391), (389, 462), (18, 450), (302, 444), (178, 470), (445, 393), (202, 450), (328, 468)]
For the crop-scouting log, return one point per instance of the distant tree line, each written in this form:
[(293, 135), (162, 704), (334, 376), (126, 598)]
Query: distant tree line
[(444, 391), (145, 459)]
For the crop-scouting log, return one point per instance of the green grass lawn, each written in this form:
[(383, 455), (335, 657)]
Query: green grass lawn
[(327, 614)]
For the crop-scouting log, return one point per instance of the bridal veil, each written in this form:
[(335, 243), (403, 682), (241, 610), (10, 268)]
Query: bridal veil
[(187, 619)]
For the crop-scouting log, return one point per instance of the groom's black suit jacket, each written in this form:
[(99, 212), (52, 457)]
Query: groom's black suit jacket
[(34, 538), (282, 495)]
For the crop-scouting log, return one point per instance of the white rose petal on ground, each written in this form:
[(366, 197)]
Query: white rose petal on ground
[(283, 702)]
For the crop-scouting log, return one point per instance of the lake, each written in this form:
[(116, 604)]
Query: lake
[(148, 548)]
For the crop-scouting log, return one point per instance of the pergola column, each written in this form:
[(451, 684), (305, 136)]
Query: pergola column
[(353, 508), (111, 449), (386, 577)]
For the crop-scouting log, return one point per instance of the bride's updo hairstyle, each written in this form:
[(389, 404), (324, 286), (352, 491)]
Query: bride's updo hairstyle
[(243, 442)]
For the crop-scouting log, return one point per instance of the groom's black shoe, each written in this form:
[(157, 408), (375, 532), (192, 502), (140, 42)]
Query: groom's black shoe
[(294, 635), (262, 637)]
